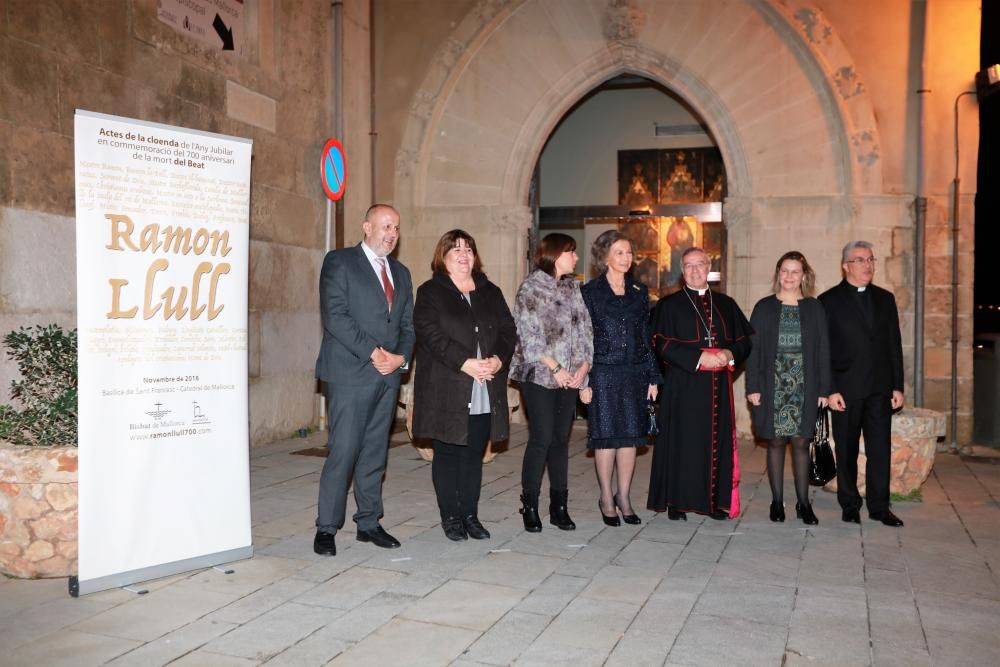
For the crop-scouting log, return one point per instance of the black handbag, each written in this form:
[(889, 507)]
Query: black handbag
[(823, 466), (654, 428)]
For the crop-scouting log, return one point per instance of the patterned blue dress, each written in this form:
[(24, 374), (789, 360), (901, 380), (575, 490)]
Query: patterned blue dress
[(789, 381), (624, 365)]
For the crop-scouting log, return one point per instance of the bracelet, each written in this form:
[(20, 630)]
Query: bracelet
[(557, 368)]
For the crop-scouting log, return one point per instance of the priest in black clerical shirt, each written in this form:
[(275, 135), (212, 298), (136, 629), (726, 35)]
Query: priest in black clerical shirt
[(701, 336), (866, 356)]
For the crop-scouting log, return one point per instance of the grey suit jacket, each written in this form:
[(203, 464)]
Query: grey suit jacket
[(356, 318)]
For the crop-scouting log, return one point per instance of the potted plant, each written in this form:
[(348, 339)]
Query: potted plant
[(38, 456)]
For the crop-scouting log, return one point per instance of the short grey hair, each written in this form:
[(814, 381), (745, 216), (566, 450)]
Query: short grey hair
[(852, 245), (692, 250), (602, 246)]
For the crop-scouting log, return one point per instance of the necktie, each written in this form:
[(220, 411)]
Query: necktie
[(386, 283)]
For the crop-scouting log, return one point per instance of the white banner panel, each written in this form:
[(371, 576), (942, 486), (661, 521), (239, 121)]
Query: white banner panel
[(162, 246)]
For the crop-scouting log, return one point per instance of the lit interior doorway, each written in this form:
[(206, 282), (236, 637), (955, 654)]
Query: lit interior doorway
[(634, 156)]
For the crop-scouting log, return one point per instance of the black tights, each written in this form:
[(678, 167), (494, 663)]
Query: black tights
[(800, 467)]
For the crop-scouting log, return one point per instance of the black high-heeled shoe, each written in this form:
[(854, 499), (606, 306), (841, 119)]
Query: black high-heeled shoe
[(631, 519), (777, 511), (608, 520), (805, 512)]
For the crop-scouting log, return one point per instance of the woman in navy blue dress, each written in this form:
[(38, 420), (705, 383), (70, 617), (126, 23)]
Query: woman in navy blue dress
[(624, 376)]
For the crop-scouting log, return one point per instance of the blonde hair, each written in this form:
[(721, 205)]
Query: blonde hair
[(808, 275)]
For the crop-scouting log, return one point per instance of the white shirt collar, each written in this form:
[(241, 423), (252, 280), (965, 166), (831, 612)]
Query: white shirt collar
[(370, 254), (373, 259), (862, 289)]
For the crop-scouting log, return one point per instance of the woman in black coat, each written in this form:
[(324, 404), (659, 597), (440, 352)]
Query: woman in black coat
[(788, 377), (465, 339)]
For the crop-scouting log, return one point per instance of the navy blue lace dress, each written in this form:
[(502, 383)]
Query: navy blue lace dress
[(624, 364)]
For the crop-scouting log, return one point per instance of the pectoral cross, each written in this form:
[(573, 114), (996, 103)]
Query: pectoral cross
[(710, 340)]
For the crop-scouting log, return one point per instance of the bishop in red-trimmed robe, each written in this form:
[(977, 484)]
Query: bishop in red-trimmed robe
[(701, 337)]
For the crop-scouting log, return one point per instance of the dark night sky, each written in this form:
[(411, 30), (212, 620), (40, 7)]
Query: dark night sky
[(987, 290)]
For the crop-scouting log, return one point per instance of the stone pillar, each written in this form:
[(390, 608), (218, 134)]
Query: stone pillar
[(915, 432)]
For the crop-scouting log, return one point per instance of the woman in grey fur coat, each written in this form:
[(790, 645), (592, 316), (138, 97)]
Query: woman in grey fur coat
[(554, 352)]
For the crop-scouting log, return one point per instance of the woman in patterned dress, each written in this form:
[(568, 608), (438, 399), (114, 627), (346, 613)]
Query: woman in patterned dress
[(788, 377)]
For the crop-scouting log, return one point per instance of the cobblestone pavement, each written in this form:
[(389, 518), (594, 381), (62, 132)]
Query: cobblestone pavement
[(695, 593)]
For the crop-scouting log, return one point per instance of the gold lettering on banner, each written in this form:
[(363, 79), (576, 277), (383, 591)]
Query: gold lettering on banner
[(147, 305), (176, 240), (173, 300), (116, 312), (201, 270), (117, 232), (220, 270)]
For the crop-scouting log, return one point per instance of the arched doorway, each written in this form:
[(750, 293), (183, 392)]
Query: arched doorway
[(633, 156), (801, 150)]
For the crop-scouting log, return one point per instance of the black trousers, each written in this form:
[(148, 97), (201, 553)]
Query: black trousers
[(871, 415), (457, 470), (550, 416)]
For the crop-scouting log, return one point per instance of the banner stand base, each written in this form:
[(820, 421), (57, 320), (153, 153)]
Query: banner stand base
[(78, 587)]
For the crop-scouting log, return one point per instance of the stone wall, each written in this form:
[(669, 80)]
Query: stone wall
[(877, 35), (116, 57), (38, 511), (812, 103)]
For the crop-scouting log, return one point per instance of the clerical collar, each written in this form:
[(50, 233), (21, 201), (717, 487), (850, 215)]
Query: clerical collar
[(701, 292), (862, 289)]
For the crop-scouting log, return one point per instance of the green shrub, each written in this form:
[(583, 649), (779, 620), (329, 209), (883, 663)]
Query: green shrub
[(46, 358)]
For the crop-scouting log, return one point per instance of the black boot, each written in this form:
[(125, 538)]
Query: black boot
[(529, 512), (558, 514)]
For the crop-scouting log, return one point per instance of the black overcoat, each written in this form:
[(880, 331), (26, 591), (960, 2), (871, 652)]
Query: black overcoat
[(865, 360), (448, 329), (760, 364)]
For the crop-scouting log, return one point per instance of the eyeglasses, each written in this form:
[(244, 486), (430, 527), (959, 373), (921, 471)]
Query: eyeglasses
[(697, 265), (862, 260)]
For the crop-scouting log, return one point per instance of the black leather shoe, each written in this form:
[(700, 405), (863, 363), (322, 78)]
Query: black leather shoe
[(719, 515), (474, 529), (631, 519), (324, 544), (453, 529), (888, 518), (612, 521), (850, 516), (378, 537), (805, 512), (676, 515), (777, 511)]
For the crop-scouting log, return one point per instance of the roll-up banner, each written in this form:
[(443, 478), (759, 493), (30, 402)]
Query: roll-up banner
[(162, 250)]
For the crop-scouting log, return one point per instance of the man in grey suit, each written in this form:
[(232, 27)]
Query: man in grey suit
[(366, 303)]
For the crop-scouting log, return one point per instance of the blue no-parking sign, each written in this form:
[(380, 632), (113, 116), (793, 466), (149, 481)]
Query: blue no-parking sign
[(333, 169)]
